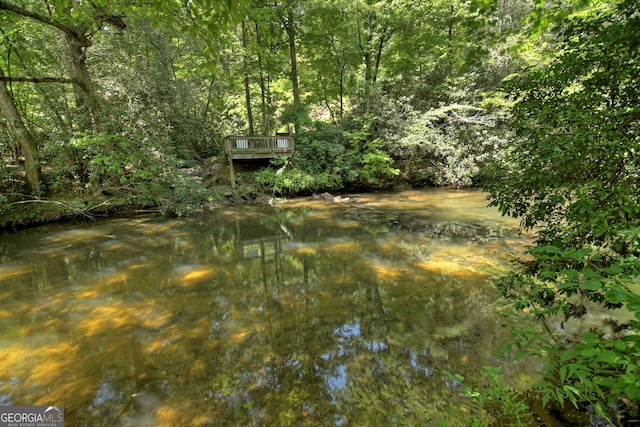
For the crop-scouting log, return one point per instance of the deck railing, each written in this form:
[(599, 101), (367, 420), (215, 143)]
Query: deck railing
[(266, 248), (258, 147)]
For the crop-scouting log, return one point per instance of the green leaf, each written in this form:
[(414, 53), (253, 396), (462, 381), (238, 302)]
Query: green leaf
[(616, 295), (609, 356), (590, 338), (549, 249), (591, 285), (590, 352), (613, 270), (571, 274), (547, 274), (633, 392), (563, 373), (566, 285), (579, 254)]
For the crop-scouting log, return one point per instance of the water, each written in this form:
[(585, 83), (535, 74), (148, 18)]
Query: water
[(314, 312)]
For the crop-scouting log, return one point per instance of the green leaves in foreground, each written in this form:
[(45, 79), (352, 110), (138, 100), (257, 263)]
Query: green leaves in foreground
[(571, 174), (498, 400), (569, 289)]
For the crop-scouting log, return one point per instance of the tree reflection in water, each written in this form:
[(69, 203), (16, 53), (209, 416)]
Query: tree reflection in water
[(313, 313)]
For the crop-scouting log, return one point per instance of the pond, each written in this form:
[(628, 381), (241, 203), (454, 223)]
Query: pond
[(317, 311)]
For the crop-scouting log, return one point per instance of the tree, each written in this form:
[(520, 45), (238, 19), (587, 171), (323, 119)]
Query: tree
[(20, 133), (375, 25), (289, 13), (76, 22), (450, 145), (572, 175), (289, 22), (247, 88), (332, 53)]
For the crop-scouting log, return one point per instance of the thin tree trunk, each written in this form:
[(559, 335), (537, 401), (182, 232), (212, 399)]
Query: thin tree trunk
[(327, 104), (450, 39), (33, 172), (384, 38), (37, 79), (207, 107), (247, 89), (263, 91), (341, 92), (365, 48), (291, 33), (269, 102), (341, 63)]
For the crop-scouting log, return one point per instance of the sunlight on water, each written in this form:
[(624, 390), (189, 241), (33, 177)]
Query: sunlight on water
[(314, 312)]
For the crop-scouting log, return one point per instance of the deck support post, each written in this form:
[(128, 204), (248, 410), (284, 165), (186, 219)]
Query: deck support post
[(232, 177)]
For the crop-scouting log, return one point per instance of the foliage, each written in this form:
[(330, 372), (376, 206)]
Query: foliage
[(330, 158), (372, 165), (5, 207), (450, 145), (11, 183), (320, 160), (168, 79), (322, 149), (572, 174), (288, 181), (496, 398), (184, 196), (148, 177)]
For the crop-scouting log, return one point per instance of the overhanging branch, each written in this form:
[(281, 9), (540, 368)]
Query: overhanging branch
[(24, 12), (38, 79)]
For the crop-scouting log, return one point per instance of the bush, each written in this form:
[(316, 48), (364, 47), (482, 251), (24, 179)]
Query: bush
[(290, 180), (184, 196)]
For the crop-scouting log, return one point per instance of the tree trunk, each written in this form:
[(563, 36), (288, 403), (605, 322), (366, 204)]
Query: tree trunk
[(263, 90), (341, 63), (325, 95), (373, 36), (364, 42), (88, 99), (384, 38), (29, 149), (341, 92), (291, 33), (247, 89), (450, 40)]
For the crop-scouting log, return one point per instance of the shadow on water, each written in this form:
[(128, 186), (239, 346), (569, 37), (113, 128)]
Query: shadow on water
[(315, 312)]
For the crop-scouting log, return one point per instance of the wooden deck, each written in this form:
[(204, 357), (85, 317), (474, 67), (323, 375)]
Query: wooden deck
[(258, 147)]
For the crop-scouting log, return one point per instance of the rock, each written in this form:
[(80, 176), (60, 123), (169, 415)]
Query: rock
[(324, 196)]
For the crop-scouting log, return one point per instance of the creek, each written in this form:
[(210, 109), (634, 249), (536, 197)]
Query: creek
[(316, 311)]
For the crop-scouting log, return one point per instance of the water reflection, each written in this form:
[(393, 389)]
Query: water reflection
[(311, 313)]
